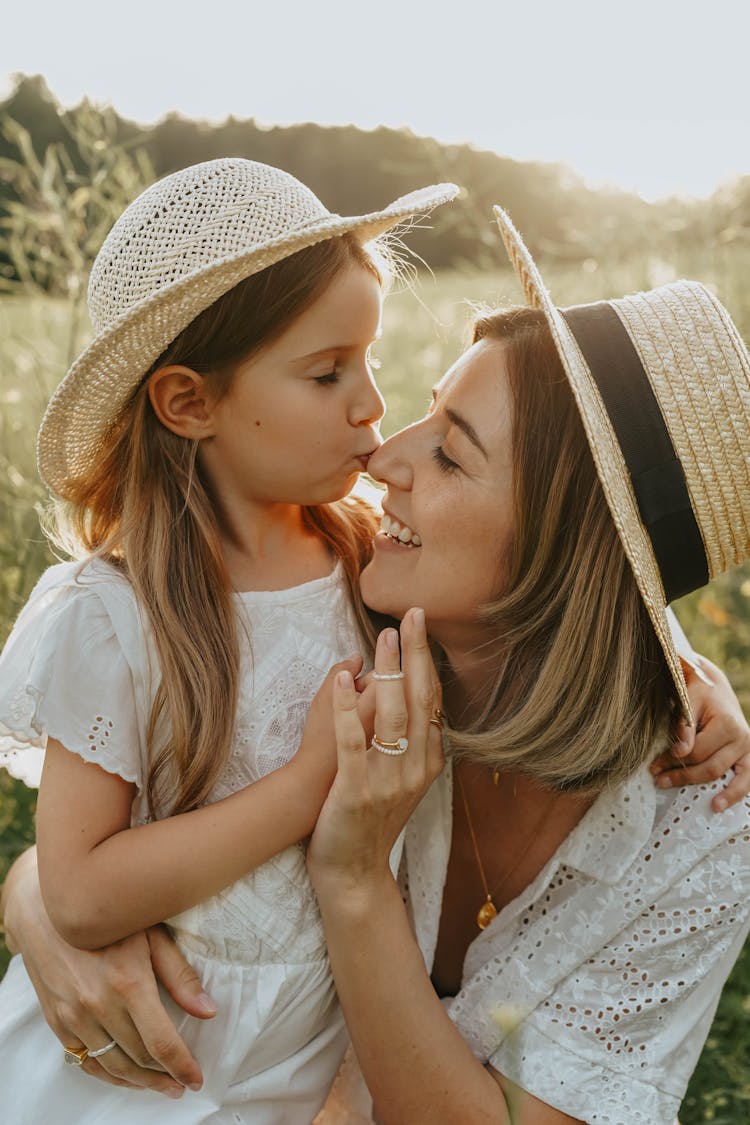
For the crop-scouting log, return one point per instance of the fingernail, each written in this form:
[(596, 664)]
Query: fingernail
[(664, 782), (207, 1004), (681, 748), (175, 1092), (391, 640), (196, 1086), (345, 680), (417, 616), (721, 803)]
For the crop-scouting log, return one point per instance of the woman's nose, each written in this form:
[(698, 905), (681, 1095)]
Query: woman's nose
[(391, 463)]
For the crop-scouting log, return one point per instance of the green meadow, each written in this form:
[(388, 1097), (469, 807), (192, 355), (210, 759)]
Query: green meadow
[(424, 329)]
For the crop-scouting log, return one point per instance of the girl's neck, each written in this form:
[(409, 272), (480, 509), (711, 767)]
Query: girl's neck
[(274, 549)]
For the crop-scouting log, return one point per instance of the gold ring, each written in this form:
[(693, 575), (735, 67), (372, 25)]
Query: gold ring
[(76, 1056), (400, 746), (437, 719)]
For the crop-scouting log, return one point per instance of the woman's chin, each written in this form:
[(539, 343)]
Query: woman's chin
[(379, 594)]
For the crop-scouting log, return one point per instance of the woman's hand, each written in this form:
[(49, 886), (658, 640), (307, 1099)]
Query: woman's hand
[(374, 793), (719, 741), (90, 998)]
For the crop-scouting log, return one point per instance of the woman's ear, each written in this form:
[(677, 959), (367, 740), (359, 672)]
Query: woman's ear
[(181, 401)]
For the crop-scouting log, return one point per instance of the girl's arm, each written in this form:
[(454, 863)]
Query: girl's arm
[(719, 741), (103, 880), (416, 1064)]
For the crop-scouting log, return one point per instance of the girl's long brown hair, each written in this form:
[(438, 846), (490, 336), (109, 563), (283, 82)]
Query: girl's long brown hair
[(143, 506), (580, 695)]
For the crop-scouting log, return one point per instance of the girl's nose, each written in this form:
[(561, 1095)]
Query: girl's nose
[(369, 406)]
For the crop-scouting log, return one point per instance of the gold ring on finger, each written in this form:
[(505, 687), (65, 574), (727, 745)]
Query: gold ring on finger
[(437, 719), (395, 749), (75, 1056)]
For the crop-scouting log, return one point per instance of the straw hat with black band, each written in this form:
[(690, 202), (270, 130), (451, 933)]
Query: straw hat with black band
[(181, 245), (662, 382)]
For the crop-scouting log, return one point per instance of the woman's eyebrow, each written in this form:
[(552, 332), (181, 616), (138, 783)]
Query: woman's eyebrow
[(463, 424)]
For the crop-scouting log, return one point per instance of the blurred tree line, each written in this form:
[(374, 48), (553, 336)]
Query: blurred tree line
[(355, 171)]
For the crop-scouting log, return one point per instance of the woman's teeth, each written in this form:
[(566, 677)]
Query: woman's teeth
[(400, 532)]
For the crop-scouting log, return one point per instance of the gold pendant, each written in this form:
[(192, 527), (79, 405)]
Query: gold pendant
[(486, 913)]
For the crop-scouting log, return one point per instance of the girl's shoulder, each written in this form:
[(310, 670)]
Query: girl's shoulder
[(75, 668)]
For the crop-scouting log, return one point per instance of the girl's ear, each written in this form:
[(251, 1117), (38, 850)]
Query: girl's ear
[(181, 401)]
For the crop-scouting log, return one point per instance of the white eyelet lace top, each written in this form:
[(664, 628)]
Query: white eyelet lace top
[(595, 989), (80, 667)]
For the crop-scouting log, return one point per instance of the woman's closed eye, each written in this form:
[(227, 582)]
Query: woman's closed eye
[(443, 461)]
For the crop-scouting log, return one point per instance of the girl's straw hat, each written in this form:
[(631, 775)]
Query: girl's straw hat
[(178, 247), (662, 382)]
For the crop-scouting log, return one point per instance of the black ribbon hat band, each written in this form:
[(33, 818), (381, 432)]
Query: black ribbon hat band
[(656, 473)]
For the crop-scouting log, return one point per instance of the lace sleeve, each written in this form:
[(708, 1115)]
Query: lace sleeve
[(63, 674), (617, 1041)]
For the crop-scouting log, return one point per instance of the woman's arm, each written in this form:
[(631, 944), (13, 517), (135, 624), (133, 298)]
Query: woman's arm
[(111, 994), (416, 1063), (102, 880)]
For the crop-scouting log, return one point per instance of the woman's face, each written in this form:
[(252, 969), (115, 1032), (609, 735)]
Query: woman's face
[(448, 508)]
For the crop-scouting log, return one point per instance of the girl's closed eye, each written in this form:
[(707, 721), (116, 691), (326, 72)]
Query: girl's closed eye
[(328, 379), (443, 461)]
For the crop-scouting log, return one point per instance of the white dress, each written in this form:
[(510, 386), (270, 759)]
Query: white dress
[(595, 988), (79, 667)]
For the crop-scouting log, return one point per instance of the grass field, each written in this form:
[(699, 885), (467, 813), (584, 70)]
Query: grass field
[(423, 334)]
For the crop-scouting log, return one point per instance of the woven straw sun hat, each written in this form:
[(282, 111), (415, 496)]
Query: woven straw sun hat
[(181, 245), (662, 382)]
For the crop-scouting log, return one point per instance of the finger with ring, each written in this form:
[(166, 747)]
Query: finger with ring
[(388, 676), (437, 719), (75, 1056), (102, 1050), (395, 749)]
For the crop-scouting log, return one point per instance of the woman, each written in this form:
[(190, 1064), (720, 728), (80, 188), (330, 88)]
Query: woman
[(460, 531), (578, 925)]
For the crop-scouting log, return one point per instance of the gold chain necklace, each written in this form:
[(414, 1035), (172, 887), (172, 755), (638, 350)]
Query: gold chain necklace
[(487, 911)]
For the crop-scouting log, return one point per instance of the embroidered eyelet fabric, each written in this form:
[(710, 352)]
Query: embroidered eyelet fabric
[(79, 667), (595, 989)]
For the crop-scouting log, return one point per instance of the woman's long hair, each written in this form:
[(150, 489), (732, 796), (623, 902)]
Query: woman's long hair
[(580, 691), (144, 506)]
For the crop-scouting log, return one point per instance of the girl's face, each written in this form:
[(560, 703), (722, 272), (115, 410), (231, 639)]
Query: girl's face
[(450, 484), (301, 417)]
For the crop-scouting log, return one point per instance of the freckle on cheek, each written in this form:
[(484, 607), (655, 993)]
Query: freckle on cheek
[(257, 421)]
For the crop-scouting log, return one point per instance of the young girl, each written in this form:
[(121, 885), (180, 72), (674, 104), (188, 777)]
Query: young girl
[(201, 447)]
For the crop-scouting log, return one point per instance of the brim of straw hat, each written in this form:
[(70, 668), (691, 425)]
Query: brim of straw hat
[(104, 376), (608, 458)]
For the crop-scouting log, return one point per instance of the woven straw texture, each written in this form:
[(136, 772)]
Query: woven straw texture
[(186, 241), (699, 370)]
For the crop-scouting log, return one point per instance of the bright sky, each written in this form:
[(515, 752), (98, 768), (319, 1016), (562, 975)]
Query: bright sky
[(645, 94)]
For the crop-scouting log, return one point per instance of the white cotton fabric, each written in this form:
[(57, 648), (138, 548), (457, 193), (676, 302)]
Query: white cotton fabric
[(595, 989), (79, 667)]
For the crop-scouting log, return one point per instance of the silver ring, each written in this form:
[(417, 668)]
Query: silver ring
[(102, 1050), (395, 749), (388, 675)]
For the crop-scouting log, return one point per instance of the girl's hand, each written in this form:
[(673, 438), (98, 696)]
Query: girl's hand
[(719, 741), (373, 793), (316, 755)]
